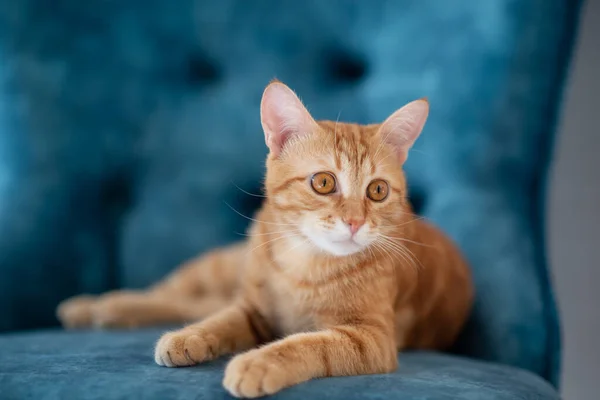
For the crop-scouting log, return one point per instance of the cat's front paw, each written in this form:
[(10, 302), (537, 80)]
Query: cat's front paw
[(254, 374), (76, 312), (185, 347)]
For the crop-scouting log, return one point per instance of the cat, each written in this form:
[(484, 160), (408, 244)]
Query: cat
[(337, 275)]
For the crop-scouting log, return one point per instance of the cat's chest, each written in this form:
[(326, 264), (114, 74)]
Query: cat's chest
[(294, 309)]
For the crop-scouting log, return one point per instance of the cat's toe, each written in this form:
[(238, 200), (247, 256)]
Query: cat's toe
[(184, 348), (254, 374), (76, 312)]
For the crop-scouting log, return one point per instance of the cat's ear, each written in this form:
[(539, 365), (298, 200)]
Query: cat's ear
[(283, 116), (404, 126)]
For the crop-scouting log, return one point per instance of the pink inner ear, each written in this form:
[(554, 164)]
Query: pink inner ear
[(282, 116), (404, 126)]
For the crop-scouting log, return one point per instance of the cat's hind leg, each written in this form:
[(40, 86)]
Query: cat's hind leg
[(195, 290), (124, 309)]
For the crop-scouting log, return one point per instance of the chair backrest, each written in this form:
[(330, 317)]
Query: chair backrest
[(125, 127)]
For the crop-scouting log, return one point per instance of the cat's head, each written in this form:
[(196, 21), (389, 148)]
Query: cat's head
[(338, 186)]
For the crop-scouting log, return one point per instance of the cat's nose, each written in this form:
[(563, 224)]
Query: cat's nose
[(354, 224)]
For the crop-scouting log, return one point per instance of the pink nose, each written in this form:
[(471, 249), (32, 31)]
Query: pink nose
[(355, 224)]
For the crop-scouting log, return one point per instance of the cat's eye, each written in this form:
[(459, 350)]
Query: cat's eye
[(378, 190), (323, 183)]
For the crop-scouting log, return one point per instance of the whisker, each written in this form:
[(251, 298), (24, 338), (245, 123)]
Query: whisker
[(295, 247), (404, 223), (402, 250), (400, 253), (265, 233), (407, 240), (248, 193), (386, 137), (414, 257), (397, 255), (377, 247), (371, 251), (373, 256), (379, 147), (381, 161), (267, 242), (405, 212), (255, 220), (382, 249), (405, 250)]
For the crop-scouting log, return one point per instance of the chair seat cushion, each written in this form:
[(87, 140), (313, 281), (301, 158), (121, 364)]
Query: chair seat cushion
[(119, 365)]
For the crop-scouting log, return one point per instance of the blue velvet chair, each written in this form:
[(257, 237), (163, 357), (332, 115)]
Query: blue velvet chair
[(125, 126)]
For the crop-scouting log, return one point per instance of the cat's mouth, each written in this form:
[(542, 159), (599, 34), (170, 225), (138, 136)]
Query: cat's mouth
[(345, 247), (336, 243)]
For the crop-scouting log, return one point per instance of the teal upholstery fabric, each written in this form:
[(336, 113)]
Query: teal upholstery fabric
[(119, 365), (125, 127)]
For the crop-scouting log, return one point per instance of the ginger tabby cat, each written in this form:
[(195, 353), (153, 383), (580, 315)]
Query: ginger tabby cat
[(337, 274)]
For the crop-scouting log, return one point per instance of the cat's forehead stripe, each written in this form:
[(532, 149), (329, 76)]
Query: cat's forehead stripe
[(346, 177), (352, 151)]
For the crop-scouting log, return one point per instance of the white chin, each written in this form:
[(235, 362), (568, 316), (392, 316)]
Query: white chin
[(339, 249)]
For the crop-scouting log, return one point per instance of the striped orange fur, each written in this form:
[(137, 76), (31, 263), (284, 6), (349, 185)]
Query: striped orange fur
[(329, 284)]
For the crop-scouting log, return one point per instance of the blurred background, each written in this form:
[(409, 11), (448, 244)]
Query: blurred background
[(124, 126), (574, 215)]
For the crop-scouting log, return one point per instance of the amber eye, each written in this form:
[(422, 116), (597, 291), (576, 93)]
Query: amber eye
[(378, 190), (323, 183)]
